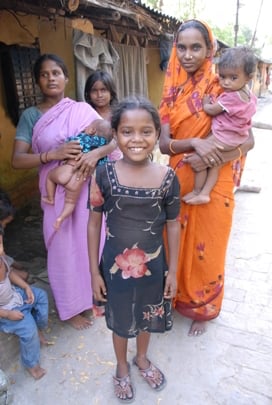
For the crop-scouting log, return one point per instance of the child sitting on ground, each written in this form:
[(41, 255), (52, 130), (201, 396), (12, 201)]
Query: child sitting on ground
[(66, 175), (23, 312)]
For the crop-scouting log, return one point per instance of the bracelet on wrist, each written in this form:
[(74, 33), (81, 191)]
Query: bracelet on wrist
[(41, 158), (171, 146), (44, 157), (240, 152)]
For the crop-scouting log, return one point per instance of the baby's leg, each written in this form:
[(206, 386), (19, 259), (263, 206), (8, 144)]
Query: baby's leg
[(199, 181), (204, 196), (72, 192), (59, 175)]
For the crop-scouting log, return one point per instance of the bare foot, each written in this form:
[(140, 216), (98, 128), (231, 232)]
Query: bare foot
[(87, 314), (199, 199), (58, 223), (43, 340), (188, 196), (197, 328), (79, 322), (48, 200), (37, 372)]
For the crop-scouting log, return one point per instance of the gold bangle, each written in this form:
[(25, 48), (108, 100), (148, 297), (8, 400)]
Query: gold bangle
[(41, 158), (45, 155), (171, 147), (240, 152)]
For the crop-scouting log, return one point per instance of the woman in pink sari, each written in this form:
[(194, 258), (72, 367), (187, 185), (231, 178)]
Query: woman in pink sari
[(40, 142)]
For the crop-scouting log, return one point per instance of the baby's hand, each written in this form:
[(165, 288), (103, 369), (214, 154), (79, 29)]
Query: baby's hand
[(206, 100), (30, 295), (90, 130), (14, 315)]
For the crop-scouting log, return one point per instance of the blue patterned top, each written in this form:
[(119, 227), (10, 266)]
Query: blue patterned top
[(89, 143)]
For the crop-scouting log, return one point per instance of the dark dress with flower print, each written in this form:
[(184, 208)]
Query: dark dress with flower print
[(133, 262)]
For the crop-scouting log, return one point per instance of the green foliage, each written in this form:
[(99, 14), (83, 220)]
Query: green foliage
[(156, 4), (226, 34), (186, 9)]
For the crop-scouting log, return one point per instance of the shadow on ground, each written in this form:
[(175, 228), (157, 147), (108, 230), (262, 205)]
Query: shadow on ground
[(23, 239)]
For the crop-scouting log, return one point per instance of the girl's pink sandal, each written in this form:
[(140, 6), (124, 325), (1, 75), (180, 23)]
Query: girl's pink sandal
[(152, 375), (123, 389)]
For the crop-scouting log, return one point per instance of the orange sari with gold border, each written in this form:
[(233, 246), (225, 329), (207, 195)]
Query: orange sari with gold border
[(205, 228)]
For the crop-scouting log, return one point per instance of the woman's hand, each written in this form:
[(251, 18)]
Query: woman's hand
[(195, 161), (86, 163), (208, 151), (67, 150)]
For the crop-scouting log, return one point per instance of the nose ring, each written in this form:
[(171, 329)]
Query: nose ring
[(191, 57)]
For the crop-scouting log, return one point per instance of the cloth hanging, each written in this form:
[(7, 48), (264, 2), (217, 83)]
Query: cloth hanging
[(92, 53), (131, 76), (127, 64)]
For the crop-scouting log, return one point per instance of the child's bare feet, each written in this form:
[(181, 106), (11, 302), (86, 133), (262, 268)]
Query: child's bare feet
[(80, 322), (58, 223), (48, 200), (43, 340), (37, 372)]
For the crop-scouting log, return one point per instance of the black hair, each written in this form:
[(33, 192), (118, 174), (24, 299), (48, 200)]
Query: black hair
[(135, 103), (108, 82), (48, 56), (239, 57), (6, 208), (198, 26)]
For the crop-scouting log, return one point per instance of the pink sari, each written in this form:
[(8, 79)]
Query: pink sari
[(67, 259)]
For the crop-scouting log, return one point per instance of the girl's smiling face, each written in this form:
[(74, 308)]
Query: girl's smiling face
[(136, 135)]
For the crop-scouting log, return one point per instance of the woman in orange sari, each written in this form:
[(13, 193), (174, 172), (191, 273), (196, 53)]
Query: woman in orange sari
[(205, 228)]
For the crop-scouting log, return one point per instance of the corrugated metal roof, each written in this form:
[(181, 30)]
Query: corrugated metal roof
[(127, 16)]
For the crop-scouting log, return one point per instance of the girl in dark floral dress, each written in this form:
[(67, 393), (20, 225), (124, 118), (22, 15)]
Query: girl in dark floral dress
[(138, 197)]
